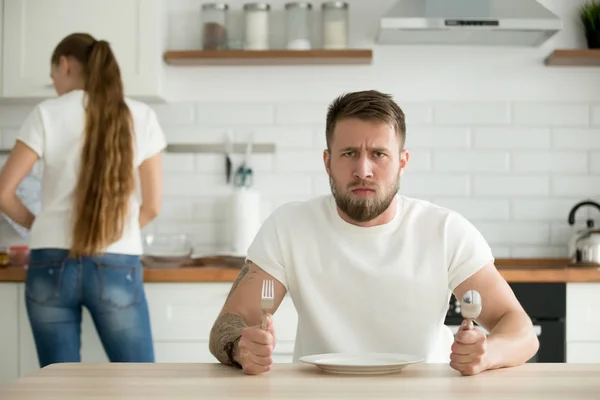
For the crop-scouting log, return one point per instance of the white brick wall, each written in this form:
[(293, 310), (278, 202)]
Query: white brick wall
[(493, 133)]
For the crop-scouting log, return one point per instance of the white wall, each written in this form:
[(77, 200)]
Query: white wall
[(494, 134)]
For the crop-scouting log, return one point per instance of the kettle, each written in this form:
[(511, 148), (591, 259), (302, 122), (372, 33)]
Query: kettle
[(584, 246)]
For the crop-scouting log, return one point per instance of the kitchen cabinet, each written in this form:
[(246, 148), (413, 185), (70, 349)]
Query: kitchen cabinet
[(9, 333), (181, 315), (583, 322), (32, 29)]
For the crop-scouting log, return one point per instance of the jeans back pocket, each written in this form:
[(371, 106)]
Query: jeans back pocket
[(120, 279), (43, 282)]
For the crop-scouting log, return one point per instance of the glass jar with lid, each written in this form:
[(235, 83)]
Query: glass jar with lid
[(256, 18), (214, 26), (335, 24), (298, 25)]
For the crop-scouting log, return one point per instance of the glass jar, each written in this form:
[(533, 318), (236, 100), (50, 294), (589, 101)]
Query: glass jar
[(257, 26), (19, 256), (214, 26), (4, 257), (298, 25), (335, 25)]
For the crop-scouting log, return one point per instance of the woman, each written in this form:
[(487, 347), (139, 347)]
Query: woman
[(86, 241)]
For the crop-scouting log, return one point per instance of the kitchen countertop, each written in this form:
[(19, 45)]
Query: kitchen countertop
[(512, 269), (125, 381)]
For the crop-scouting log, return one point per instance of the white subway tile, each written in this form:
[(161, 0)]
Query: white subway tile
[(284, 137), (539, 251), (186, 135), (321, 185), (595, 162), (562, 232), (175, 162), (301, 113), (290, 184), (438, 137), (195, 184), (511, 138), (299, 161), (423, 184), (511, 185), (596, 115), (174, 113), (235, 114), (556, 161), (470, 161), (472, 113), (416, 113), (551, 114), (575, 185), (542, 209), (500, 251), (13, 116), (477, 209), (281, 199), (215, 163), (511, 233), (199, 232), (576, 139), (320, 139), (9, 137), (419, 161), (175, 209), (210, 208)]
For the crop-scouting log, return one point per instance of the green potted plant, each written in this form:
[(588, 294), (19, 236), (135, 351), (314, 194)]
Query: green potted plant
[(589, 15)]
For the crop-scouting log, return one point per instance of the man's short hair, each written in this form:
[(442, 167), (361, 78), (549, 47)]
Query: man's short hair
[(369, 105)]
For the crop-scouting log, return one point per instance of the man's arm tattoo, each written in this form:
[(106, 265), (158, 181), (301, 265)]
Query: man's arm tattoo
[(227, 328), (245, 269)]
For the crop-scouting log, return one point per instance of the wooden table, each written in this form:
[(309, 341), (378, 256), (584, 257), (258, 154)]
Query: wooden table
[(290, 381)]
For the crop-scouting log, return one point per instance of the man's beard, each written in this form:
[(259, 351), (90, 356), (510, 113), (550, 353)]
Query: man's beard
[(363, 209)]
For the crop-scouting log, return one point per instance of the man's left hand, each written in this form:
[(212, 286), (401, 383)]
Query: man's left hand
[(469, 351)]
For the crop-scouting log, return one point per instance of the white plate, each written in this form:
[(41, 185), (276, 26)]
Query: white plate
[(362, 363)]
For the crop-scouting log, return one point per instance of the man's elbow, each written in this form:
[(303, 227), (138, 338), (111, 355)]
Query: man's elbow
[(534, 343)]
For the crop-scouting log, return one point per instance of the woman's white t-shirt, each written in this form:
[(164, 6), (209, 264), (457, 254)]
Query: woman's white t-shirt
[(55, 131)]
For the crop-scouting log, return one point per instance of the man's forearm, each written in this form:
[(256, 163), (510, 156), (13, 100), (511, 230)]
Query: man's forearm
[(227, 329), (512, 342)]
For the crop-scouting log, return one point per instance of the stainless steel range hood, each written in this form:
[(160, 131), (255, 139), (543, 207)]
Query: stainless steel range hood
[(468, 22)]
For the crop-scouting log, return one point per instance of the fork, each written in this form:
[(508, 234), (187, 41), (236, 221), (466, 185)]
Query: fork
[(267, 300)]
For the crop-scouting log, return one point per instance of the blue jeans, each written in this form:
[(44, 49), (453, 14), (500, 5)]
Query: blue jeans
[(110, 286)]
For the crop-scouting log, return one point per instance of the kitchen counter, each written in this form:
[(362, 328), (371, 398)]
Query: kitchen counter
[(294, 381), (512, 269)]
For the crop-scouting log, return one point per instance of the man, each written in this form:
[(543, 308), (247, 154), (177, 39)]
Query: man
[(368, 269)]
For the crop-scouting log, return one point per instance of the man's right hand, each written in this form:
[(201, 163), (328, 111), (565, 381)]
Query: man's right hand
[(255, 348)]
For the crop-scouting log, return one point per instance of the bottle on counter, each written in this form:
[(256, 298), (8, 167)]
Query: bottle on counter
[(256, 18), (214, 26), (4, 258), (298, 25), (335, 24)]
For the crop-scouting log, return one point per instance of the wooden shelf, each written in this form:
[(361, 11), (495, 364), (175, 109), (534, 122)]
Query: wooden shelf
[(574, 58), (269, 57)]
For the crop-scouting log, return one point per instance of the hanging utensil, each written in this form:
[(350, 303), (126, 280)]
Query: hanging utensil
[(228, 151), (249, 175)]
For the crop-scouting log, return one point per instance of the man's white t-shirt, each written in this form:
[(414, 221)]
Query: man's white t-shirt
[(378, 289), (55, 131)]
